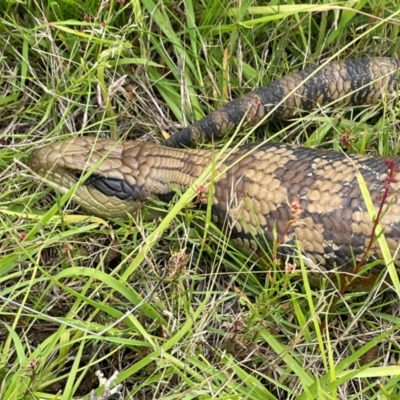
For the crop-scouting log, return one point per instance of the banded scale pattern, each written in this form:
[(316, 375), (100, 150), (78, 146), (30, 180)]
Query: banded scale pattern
[(265, 189), (264, 195), (351, 82)]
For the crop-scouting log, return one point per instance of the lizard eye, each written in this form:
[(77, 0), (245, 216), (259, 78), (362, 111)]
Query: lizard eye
[(76, 175)]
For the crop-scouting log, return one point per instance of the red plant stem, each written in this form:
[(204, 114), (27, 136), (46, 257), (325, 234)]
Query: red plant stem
[(390, 178)]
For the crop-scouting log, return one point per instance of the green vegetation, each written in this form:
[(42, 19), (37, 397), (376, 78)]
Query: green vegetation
[(171, 306)]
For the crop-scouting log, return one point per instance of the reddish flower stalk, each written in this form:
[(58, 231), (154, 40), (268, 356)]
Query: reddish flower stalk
[(389, 179), (345, 139), (296, 211), (201, 195)]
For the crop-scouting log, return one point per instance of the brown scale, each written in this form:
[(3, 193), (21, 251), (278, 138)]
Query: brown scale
[(256, 189)]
